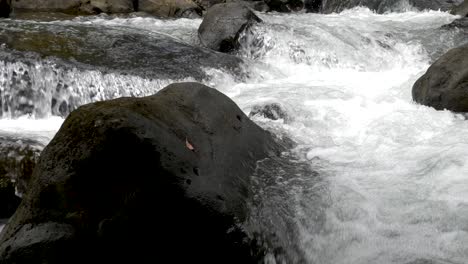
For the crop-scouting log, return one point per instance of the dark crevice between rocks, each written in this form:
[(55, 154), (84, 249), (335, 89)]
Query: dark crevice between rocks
[(5, 8), (313, 6)]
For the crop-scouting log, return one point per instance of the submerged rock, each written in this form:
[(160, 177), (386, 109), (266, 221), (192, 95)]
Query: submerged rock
[(5, 8), (445, 84), (170, 8), (138, 180), (273, 111), (223, 24)]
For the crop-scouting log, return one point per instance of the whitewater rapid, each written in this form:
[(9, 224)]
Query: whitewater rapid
[(393, 185)]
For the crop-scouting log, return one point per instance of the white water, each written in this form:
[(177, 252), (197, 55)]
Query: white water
[(396, 172)]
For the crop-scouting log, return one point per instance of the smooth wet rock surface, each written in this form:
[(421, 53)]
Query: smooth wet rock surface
[(170, 8), (223, 24), (174, 167), (445, 84)]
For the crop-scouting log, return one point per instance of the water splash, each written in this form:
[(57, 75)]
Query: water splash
[(392, 183)]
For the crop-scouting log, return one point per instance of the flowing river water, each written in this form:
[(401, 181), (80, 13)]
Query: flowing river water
[(374, 178)]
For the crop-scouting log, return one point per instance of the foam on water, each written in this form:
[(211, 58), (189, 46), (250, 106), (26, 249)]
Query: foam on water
[(41, 130), (395, 172)]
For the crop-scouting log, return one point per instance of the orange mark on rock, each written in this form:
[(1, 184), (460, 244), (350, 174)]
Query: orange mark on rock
[(188, 145)]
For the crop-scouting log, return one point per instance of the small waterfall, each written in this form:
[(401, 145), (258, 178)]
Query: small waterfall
[(43, 89)]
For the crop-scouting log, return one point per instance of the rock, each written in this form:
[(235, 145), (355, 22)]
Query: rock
[(223, 24), (18, 156), (445, 84), (260, 6), (273, 111), (9, 200), (170, 8), (69, 6), (154, 56), (107, 6), (461, 10), (313, 6), (60, 49), (285, 5), (5, 8), (75, 6), (206, 4), (138, 180), (382, 6)]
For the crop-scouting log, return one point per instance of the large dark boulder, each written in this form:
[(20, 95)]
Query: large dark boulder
[(75, 6), (170, 8), (382, 6), (445, 84), (5, 8), (223, 24), (143, 180)]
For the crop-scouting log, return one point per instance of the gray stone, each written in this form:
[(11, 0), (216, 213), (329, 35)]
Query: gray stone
[(170, 8), (445, 84), (223, 24)]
